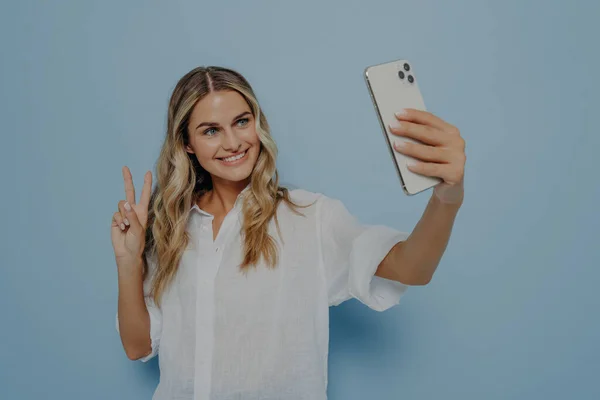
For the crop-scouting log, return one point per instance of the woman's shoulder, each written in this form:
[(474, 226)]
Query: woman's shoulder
[(301, 212), (317, 202), (299, 195), (302, 200), (303, 196)]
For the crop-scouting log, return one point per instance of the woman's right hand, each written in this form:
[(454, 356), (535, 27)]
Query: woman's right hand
[(128, 228)]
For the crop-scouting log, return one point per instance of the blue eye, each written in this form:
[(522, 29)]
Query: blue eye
[(210, 132), (244, 120)]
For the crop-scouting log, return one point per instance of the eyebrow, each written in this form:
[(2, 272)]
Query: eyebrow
[(216, 124)]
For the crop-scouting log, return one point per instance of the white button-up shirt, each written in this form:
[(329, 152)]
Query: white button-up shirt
[(221, 334)]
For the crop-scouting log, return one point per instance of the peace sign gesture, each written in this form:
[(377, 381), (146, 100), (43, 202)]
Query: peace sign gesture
[(128, 228)]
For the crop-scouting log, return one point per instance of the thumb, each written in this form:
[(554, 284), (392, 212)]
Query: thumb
[(135, 226)]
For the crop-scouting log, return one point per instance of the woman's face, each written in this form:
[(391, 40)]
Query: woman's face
[(223, 136)]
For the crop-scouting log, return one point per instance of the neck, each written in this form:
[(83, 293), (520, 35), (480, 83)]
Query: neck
[(222, 197)]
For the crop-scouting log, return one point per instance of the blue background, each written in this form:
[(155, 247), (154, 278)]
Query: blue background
[(512, 312)]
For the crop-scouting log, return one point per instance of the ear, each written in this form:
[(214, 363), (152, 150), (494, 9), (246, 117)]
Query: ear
[(189, 149)]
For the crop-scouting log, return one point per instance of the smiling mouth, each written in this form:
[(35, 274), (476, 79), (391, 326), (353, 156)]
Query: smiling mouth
[(235, 158)]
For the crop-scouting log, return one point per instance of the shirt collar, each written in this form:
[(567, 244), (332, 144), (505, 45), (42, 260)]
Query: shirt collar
[(236, 205)]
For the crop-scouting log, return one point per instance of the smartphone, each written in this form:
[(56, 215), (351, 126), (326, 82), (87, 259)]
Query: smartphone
[(394, 86)]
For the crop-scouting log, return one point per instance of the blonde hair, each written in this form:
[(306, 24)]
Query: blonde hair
[(181, 181)]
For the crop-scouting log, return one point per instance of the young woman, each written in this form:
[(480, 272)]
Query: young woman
[(228, 276)]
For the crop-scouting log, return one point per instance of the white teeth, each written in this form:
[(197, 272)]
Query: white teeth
[(234, 158)]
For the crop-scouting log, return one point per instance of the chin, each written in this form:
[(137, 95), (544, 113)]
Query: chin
[(237, 176)]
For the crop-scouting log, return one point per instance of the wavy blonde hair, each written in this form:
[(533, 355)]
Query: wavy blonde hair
[(181, 181)]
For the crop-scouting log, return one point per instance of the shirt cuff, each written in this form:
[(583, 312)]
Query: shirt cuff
[(369, 249)]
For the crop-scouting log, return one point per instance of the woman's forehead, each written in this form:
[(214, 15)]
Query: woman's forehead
[(218, 107)]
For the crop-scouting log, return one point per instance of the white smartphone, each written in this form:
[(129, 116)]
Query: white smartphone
[(393, 86)]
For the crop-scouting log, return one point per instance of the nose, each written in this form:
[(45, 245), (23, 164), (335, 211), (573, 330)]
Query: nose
[(230, 141)]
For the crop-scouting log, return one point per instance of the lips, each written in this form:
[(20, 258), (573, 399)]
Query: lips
[(234, 158)]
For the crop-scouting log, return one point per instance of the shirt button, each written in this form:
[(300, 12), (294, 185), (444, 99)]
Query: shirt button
[(217, 249)]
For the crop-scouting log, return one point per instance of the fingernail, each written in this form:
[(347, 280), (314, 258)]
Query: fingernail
[(395, 125), (126, 221), (400, 145), (401, 113), (410, 163), (127, 206), (122, 227)]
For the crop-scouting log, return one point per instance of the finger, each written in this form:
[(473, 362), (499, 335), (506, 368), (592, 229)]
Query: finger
[(129, 189), (117, 221), (422, 151), (422, 133), (446, 172), (123, 213), (146, 190), (423, 117), (425, 168), (129, 213)]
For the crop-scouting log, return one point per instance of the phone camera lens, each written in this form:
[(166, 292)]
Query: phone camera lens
[(401, 74), (411, 79), (406, 67)]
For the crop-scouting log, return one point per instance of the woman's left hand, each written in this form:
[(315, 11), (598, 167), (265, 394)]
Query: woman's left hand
[(440, 154)]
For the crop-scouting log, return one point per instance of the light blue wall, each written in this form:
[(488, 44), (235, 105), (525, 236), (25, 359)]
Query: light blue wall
[(512, 312)]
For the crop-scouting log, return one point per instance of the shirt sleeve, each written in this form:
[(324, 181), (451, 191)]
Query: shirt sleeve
[(351, 253), (153, 310)]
